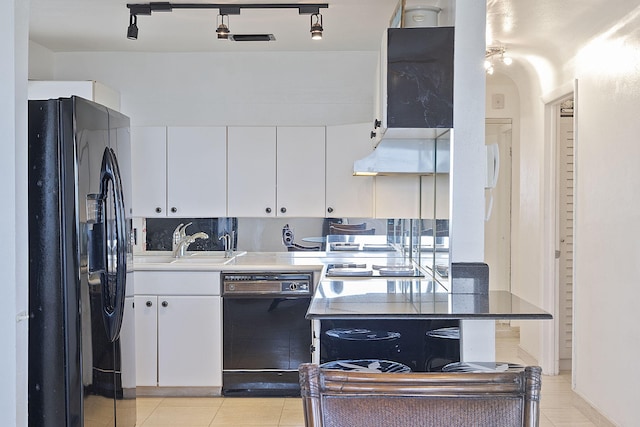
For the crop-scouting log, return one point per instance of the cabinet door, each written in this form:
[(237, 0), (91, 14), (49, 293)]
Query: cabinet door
[(397, 196), (251, 182), (301, 171), (146, 337), (348, 195), (189, 339), (197, 172), (149, 171), (128, 345)]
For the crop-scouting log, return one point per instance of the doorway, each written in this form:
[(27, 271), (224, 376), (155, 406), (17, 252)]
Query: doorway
[(497, 247)]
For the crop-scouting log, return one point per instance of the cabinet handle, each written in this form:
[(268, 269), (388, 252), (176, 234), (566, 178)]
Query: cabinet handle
[(376, 123), (268, 210), (165, 304), (149, 303), (372, 135), (174, 209), (158, 210), (283, 209), (330, 209)]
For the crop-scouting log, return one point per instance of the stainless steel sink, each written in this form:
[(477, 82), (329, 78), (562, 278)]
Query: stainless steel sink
[(153, 259), (198, 258), (204, 254)]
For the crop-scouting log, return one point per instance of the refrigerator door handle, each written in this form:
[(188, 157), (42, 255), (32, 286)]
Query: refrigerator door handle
[(114, 275)]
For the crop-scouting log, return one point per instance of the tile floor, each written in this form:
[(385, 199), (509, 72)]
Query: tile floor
[(557, 408)]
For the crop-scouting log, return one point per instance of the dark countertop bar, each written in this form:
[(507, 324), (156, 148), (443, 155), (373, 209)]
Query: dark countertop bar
[(400, 298)]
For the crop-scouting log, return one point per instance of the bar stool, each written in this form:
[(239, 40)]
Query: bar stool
[(367, 365), (360, 343), (442, 347)]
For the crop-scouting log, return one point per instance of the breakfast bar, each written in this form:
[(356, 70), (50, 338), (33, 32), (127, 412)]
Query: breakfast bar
[(413, 321)]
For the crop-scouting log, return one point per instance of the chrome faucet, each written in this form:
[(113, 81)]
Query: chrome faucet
[(184, 243), (178, 234), (228, 240)]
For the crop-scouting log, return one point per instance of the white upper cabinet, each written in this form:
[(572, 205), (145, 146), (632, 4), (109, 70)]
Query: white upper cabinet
[(276, 171), (179, 171), (252, 173), (397, 196), (197, 171), (301, 171), (149, 170), (435, 196), (348, 195)]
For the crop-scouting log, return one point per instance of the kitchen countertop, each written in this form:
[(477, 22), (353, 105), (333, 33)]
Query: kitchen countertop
[(256, 261), (358, 297), (413, 298)]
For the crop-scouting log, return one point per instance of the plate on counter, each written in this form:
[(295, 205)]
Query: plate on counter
[(377, 247), (345, 272), (397, 271), (345, 246)]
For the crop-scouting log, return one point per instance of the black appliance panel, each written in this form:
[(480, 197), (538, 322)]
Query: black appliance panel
[(76, 221), (265, 333)]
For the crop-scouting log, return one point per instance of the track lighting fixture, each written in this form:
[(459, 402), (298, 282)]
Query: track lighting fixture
[(223, 30), (225, 10), (316, 27), (493, 52), (132, 31)]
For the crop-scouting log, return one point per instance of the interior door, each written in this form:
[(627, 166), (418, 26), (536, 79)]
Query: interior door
[(564, 230)]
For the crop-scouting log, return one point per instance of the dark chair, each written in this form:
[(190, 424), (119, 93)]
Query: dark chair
[(333, 398), (340, 230), (287, 240)]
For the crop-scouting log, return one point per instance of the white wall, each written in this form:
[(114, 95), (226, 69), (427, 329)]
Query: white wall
[(607, 267), (41, 61), (606, 319), (212, 89), (14, 24)]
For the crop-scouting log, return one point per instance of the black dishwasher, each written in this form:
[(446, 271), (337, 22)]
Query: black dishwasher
[(265, 333)]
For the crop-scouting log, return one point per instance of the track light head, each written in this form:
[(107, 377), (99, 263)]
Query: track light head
[(223, 29), (316, 27), (132, 31)]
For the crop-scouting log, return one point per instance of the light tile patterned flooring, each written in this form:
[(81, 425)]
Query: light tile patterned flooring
[(557, 409)]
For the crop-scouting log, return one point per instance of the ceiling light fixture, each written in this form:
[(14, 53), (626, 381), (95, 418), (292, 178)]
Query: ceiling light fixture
[(132, 31), (493, 52), (225, 10), (223, 29), (316, 27)]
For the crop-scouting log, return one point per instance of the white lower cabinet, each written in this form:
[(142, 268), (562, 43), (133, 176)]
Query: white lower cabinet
[(178, 332), (178, 341)]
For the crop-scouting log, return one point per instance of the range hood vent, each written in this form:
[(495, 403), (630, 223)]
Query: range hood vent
[(405, 156)]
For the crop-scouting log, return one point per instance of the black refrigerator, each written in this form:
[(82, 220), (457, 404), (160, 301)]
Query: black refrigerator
[(81, 325)]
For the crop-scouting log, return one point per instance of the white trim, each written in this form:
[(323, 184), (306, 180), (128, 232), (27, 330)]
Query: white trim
[(559, 93)]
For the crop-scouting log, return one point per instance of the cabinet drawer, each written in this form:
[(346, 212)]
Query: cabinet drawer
[(177, 282)]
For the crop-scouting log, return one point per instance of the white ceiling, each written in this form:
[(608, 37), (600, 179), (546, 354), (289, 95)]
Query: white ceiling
[(101, 25), (544, 27)]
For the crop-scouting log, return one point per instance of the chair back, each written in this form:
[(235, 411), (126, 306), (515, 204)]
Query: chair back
[(288, 241), (333, 398), (360, 226)]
